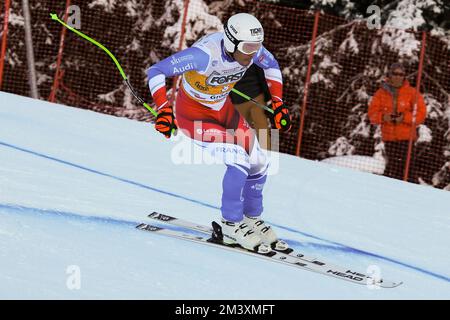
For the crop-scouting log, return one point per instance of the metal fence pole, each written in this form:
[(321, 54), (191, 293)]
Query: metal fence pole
[(4, 39), (180, 47), (307, 82), (29, 47), (413, 125), (58, 76)]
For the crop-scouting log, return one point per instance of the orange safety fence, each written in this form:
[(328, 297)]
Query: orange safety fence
[(328, 88), (4, 38)]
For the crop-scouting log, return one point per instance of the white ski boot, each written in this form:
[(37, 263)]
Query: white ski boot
[(266, 233), (239, 233)]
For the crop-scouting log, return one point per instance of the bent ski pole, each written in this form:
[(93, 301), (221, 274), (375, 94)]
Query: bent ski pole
[(124, 76), (243, 95)]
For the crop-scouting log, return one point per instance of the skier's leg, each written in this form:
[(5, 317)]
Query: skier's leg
[(234, 228), (258, 164), (254, 185), (253, 199), (223, 145), (232, 201), (235, 158), (237, 169)]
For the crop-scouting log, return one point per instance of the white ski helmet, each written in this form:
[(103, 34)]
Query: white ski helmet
[(243, 32)]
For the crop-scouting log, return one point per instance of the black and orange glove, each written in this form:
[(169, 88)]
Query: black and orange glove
[(165, 121), (280, 117)]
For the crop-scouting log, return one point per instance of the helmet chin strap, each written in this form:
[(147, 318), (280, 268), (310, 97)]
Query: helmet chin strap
[(230, 54)]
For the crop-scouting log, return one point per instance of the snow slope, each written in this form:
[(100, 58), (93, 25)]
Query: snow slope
[(74, 183), (362, 163)]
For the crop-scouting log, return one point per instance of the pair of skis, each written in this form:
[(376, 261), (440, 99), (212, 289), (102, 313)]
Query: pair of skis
[(288, 257)]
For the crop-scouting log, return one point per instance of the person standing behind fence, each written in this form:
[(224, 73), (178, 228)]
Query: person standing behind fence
[(254, 85), (392, 107)]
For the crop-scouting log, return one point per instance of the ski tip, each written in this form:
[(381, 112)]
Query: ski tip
[(141, 226), (396, 284), (148, 227), (159, 216), (389, 284)]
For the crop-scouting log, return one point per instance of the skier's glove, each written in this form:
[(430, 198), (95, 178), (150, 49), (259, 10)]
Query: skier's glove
[(165, 121), (281, 118)]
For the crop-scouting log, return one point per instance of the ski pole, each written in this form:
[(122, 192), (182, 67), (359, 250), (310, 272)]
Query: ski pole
[(243, 95), (124, 76)]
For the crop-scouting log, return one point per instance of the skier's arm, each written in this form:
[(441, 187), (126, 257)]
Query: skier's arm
[(265, 60), (186, 60), (178, 63)]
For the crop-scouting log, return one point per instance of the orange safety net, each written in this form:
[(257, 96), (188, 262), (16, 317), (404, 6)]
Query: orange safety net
[(347, 67)]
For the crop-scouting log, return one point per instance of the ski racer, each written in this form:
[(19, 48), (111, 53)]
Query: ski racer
[(203, 111)]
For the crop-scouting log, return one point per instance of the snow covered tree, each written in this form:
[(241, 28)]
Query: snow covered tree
[(45, 39), (350, 61)]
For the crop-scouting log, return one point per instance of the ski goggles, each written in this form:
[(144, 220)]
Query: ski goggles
[(249, 47)]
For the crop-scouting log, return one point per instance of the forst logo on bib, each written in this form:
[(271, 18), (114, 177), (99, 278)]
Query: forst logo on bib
[(216, 79)]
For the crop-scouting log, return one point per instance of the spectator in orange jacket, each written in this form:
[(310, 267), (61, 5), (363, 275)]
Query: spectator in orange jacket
[(392, 107)]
